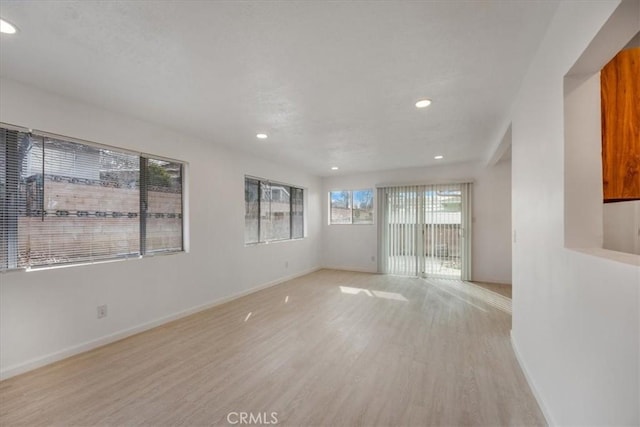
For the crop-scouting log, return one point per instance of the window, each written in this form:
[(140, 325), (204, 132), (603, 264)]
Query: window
[(163, 205), (66, 202), (297, 213), (351, 207), (273, 211), (251, 211), (340, 207)]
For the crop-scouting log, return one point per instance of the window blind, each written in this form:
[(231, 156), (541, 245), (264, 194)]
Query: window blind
[(14, 146), (21, 182), (425, 230), (67, 202), (3, 197)]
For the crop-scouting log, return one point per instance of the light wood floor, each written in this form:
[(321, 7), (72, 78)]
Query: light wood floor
[(331, 348)]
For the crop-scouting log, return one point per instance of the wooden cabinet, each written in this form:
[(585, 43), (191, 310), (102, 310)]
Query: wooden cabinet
[(620, 92)]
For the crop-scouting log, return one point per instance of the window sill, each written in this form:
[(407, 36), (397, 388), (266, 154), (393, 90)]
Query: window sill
[(248, 245), (80, 264), (361, 223), (622, 257)]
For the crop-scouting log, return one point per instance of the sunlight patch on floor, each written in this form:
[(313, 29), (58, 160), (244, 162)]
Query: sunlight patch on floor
[(475, 292), (372, 293)]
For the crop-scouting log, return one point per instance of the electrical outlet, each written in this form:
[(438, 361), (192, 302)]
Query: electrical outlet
[(373, 259), (102, 311), (286, 264)]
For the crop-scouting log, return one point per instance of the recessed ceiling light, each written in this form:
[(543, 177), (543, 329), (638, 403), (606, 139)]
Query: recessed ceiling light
[(334, 168), (6, 27), (261, 136), (438, 157), (423, 103)]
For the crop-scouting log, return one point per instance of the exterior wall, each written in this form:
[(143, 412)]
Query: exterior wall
[(49, 314), (95, 220)]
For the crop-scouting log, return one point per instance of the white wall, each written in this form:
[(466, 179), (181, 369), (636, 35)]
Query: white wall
[(352, 247), (622, 226), (583, 162), (46, 315), (576, 323)]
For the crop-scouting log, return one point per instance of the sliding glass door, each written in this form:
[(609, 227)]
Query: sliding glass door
[(425, 230)]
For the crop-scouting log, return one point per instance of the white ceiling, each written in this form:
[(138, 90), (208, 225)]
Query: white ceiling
[(331, 83)]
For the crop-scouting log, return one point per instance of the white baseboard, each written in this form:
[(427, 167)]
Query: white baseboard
[(354, 269), (545, 412), (39, 362), (490, 282)]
